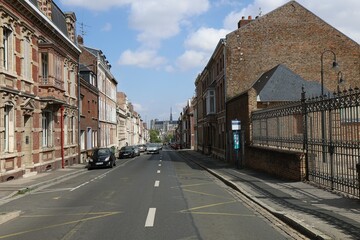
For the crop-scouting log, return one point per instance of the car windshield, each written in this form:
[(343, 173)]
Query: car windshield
[(127, 148), (103, 151)]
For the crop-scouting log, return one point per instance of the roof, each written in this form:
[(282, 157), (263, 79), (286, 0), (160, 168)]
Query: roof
[(282, 84), (58, 20)]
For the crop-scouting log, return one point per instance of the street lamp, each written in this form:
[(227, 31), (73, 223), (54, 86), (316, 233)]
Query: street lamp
[(334, 65)]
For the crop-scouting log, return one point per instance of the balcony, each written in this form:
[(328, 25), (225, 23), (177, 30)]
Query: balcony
[(51, 82)]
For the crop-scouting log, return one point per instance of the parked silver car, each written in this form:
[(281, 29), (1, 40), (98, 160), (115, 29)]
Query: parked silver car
[(142, 147), (136, 150), (152, 148)]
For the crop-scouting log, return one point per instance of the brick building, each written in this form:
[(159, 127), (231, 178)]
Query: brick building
[(290, 35), (107, 87), (210, 104), (38, 82), (89, 118)]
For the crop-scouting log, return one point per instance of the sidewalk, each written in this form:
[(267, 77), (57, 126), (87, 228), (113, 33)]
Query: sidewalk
[(317, 213), (22, 185), (18, 187)]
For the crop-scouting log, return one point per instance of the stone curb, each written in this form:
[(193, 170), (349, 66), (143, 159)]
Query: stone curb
[(25, 190), (4, 217)]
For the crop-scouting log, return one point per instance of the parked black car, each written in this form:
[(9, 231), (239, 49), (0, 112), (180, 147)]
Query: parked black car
[(102, 157), (127, 152)]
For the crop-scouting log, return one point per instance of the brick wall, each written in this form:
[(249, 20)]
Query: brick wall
[(283, 164), (295, 37)]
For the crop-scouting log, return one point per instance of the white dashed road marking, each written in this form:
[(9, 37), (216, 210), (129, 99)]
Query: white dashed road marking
[(150, 217), (157, 183)]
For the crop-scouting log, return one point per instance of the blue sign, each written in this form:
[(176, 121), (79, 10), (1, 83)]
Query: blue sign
[(236, 140)]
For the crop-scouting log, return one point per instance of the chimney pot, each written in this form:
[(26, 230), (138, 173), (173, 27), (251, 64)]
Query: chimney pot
[(80, 40)]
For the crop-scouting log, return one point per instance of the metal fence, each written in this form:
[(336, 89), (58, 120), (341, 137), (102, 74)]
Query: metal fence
[(326, 129)]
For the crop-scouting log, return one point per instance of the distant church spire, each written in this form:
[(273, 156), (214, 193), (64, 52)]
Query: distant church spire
[(170, 114)]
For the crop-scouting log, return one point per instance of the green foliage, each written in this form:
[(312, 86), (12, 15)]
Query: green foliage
[(168, 138), (154, 136)]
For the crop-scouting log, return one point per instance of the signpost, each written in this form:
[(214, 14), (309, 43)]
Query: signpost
[(236, 128)]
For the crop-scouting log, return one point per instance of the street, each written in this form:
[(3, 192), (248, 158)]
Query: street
[(159, 196)]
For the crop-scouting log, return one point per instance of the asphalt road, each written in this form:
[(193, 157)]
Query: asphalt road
[(160, 196)]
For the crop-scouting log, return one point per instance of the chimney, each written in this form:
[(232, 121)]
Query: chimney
[(244, 21), (45, 7), (80, 40), (70, 19)]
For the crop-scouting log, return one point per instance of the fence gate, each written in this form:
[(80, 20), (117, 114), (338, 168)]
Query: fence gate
[(332, 141)]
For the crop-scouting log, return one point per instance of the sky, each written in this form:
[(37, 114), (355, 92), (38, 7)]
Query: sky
[(158, 47)]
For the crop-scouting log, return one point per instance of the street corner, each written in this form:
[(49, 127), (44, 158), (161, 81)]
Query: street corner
[(7, 216)]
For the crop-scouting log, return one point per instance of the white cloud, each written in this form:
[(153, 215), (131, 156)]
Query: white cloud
[(205, 39), (96, 4), (107, 27), (199, 47), (161, 19), (144, 59), (191, 59), (138, 107)]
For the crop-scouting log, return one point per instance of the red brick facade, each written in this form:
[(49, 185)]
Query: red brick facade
[(26, 94)]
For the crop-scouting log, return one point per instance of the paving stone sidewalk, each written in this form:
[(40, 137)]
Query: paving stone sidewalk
[(317, 213)]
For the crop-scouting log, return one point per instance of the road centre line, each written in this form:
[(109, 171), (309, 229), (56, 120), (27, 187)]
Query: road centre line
[(158, 171), (150, 217), (79, 186), (160, 165), (157, 183)]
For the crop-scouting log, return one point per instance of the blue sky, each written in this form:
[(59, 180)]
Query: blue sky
[(158, 47)]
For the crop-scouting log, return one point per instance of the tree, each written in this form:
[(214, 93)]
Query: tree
[(154, 136)]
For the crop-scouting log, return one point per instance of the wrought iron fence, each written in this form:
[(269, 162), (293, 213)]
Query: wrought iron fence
[(326, 129)]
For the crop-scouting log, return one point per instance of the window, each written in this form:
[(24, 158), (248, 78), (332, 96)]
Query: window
[(66, 124), (72, 84), (7, 33), (9, 128), (81, 104), (89, 143), (58, 67), (45, 68), (46, 129), (27, 59), (95, 139), (210, 102), (82, 139), (71, 130)]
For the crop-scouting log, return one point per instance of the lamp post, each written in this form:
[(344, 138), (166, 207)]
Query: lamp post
[(334, 65)]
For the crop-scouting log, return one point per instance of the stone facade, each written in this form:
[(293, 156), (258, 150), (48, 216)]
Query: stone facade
[(107, 88), (38, 100)]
